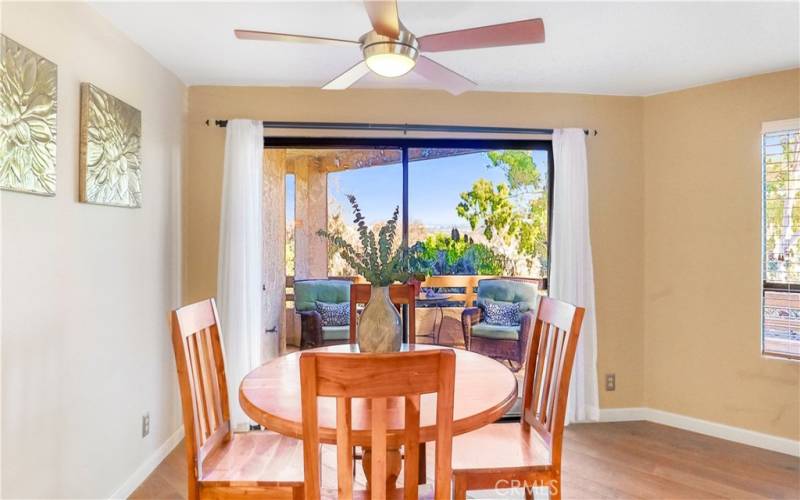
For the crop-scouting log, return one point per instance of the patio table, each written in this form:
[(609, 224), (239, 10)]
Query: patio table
[(484, 390), (437, 301)]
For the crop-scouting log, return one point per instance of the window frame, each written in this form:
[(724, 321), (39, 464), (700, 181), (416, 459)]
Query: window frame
[(406, 143), (771, 286)]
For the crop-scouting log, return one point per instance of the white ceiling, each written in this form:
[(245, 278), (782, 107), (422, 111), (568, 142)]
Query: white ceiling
[(595, 47)]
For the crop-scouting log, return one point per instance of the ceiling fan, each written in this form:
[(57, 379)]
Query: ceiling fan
[(390, 50)]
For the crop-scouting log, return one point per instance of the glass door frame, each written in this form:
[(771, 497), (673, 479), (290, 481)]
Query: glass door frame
[(406, 143)]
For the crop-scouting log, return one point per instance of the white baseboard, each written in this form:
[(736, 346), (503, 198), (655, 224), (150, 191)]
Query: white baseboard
[(722, 431), (148, 466), (623, 414)]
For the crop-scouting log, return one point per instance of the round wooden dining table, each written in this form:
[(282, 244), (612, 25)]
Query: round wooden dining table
[(484, 391)]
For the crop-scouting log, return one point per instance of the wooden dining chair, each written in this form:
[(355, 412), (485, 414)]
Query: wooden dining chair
[(378, 377), (400, 295), (529, 454), (221, 464)]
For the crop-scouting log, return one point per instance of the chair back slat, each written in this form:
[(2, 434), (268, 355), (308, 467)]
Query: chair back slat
[(348, 375), (198, 396), (208, 378), (534, 371), (400, 295), (344, 449), (215, 397), (411, 442), (201, 377), (551, 352)]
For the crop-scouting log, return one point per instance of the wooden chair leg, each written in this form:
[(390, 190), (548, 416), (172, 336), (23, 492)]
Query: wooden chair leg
[(460, 488)]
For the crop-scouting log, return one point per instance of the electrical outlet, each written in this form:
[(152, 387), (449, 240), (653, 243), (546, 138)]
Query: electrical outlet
[(146, 424), (611, 381)]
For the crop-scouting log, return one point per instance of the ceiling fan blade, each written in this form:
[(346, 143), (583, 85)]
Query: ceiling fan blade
[(283, 37), (497, 35), (383, 16), (348, 78), (443, 77)]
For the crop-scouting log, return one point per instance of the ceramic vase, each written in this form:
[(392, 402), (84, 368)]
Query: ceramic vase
[(380, 328)]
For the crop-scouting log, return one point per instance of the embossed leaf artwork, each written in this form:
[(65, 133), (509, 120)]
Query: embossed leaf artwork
[(28, 90), (110, 141)]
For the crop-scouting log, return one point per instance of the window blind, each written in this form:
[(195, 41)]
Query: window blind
[(781, 238)]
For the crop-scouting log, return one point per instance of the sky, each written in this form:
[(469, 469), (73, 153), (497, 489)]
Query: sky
[(434, 187)]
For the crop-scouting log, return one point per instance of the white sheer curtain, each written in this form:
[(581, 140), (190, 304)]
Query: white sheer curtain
[(571, 272), (239, 278)]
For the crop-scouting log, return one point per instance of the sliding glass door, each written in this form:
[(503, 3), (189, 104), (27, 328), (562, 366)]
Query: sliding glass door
[(468, 210)]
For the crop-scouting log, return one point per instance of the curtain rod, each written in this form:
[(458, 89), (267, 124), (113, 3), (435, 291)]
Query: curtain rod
[(402, 127)]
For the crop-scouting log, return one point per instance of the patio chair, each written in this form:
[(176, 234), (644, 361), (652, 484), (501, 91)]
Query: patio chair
[(502, 342), (307, 295)]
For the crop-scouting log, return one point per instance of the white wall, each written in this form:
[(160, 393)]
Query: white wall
[(1, 312), (87, 289)]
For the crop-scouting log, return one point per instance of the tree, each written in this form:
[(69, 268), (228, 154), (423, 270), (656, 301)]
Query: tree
[(533, 231), (512, 213), (490, 207), (521, 172), (439, 254), (783, 210)]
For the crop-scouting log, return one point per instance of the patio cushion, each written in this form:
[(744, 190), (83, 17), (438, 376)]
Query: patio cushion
[(307, 292), (496, 332), (509, 291), (335, 332)]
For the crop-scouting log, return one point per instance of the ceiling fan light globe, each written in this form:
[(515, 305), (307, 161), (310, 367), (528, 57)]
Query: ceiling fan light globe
[(390, 65), (390, 57)]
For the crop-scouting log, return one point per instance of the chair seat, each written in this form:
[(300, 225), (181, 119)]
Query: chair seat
[(336, 332), (496, 332), (256, 458), (499, 446)]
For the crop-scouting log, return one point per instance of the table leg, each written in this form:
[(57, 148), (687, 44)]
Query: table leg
[(393, 464)]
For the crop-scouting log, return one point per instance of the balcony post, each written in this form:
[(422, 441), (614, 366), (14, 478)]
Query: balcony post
[(274, 222), (311, 215)]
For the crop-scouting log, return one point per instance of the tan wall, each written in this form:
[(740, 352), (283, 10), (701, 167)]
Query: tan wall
[(702, 255), (616, 183), (86, 346)]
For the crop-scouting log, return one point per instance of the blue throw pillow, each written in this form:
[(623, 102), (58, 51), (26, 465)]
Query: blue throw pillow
[(334, 314), (502, 313)]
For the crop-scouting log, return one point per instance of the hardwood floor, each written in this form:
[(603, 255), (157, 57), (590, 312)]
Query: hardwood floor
[(611, 460)]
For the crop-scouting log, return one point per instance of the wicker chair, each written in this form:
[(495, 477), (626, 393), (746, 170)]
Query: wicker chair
[(501, 342)]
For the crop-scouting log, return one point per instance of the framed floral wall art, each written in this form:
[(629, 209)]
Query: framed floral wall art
[(110, 161), (28, 104)]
